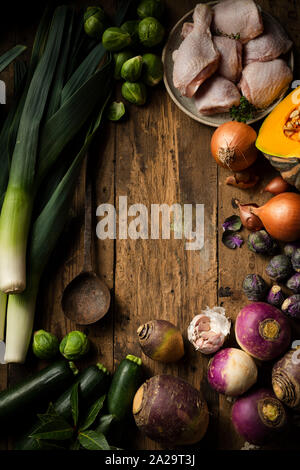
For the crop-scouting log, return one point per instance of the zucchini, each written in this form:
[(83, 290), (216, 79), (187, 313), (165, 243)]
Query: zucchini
[(126, 380), (93, 383), (33, 393)]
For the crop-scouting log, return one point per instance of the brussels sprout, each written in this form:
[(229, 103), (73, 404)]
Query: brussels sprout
[(279, 268), (296, 260), (255, 287), (294, 283), (291, 306), (151, 32), (135, 93), (120, 59), (153, 69), (276, 296), (261, 242), (153, 8), (45, 345), (94, 22), (116, 111), (74, 345), (132, 69), (290, 248), (132, 27), (114, 39)]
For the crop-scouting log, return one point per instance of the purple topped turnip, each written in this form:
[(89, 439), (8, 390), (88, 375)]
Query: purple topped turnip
[(262, 331), (286, 379), (232, 372), (170, 411), (258, 416), (161, 341)]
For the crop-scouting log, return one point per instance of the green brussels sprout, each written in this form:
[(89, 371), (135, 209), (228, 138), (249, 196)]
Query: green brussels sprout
[(45, 345), (114, 39), (135, 93), (255, 287), (74, 345), (279, 268), (151, 32), (261, 242), (153, 8), (153, 69), (132, 27), (116, 111), (132, 69), (94, 22), (120, 59)]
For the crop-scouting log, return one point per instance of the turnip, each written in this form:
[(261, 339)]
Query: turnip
[(161, 341), (286, 379), (232, 372), (170, 411), (258, 416), (262, 331)]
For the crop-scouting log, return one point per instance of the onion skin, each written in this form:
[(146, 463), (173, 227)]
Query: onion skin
[(231, 372), (286, 379), (251, 416), (233, 146), (161, 341), (262, 331), (170, 411), (249, 220), (277, 186), (280, 216)]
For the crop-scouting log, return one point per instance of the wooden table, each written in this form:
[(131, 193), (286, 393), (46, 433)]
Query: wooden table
[(158, 155)]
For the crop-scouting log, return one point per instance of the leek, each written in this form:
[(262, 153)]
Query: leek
[(18, 202), (21, 307), (3, 302), (10, 55)]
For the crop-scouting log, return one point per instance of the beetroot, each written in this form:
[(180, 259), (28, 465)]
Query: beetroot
[(258, 416), (232, 372), (170, 411), (286, 379), (262, 331)]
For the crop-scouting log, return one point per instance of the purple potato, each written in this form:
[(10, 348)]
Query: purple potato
[(262, 331), (258, 416), (170, 411), (232, 372)]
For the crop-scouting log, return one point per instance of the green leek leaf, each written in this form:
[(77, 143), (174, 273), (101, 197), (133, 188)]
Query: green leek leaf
[(9, 56)]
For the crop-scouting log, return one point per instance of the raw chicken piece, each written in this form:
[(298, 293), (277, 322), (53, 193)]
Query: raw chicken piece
[(217, 95), (232, 17), (197, 58), (262, 82), (187, 28), (270, 45), (230, 66)]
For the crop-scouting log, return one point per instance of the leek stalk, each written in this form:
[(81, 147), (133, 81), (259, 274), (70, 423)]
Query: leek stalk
[(17, 207), (3, 303)]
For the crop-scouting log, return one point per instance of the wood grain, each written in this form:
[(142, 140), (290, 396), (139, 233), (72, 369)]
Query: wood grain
[(158, 155)]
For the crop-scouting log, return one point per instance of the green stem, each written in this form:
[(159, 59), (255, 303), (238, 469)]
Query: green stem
[(3, 305)]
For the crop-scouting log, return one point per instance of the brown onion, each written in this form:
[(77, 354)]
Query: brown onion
[(277, 186), (233, 146), (249, 220), (281, 216)]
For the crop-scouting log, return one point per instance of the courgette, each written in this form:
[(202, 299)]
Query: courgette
[(126, 380), (33, 393), (93, 383)]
